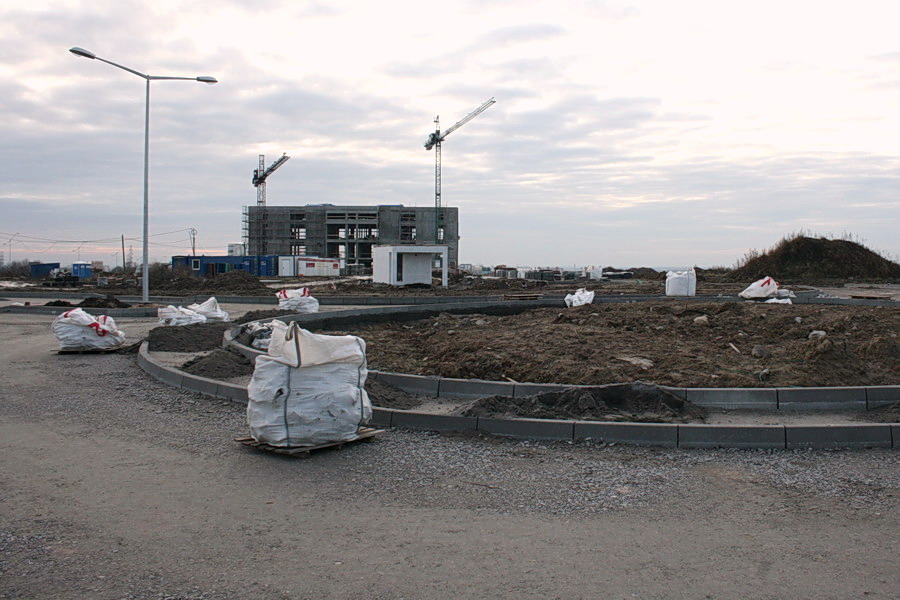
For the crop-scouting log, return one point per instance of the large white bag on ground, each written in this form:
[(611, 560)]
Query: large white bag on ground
[(309, 389), (681, 283), (78, 330), (764, 288), (299, 301), (172, 315), (210, 309), (580, 297)]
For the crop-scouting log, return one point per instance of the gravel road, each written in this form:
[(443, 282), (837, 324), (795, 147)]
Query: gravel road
[(114, 486)]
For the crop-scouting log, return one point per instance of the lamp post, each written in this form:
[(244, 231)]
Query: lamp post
[(148, 78), (10, 247)]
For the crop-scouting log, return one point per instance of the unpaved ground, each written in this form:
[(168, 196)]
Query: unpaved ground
[(113, 486), (684, 344)]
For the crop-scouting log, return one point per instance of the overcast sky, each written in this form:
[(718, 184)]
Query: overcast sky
[(642, 133)]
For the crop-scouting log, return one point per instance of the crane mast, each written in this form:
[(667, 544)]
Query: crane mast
[(259, 182), (434, 141)]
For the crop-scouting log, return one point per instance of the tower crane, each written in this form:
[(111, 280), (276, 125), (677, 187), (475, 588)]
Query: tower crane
[(259, 182), (434, 141), (261, 174)]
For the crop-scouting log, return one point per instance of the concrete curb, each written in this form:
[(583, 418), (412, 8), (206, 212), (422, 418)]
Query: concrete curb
[(651, 434), (668, 435), (186, 381)]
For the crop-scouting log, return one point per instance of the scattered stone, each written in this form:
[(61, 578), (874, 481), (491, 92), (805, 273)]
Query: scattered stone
[(701, 320), (760, 351), (481, 322), (798, 319), (817, 334), (644, 363)]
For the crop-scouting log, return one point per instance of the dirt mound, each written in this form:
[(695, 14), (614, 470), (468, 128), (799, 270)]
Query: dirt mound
[(673, 343), (219, 364), (237, 283), (884, 414), (107, 302), (809, 259), (188, 338), (58, 303), (633, 402), (258, 315), (387, 396)]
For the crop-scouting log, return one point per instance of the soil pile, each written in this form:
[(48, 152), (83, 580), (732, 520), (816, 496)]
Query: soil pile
[(387, 396), (219, 364), (237, 282), (188, 338), (808, 260), (674, 343), (258, 315), (109, 301), (58, 303), (633, 402), (884, 414)]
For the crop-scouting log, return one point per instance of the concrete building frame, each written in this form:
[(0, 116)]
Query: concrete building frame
[(346, 232)]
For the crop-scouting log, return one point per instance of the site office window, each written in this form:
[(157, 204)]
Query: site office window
[(195, 264)]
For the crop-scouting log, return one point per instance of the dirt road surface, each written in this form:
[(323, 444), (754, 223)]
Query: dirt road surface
[(113, 486)]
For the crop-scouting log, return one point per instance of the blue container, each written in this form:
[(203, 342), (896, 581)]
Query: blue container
[(41, 270), (82, 270)]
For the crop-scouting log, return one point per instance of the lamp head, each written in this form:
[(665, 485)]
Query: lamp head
[(207, 79), (82, 52)]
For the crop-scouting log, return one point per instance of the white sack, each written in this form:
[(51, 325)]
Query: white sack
[(180, 315), (299, 301), (580, 297), (210, 309), (779, 301), (681, 283), (309, 389), (77, 330), (764, 288)]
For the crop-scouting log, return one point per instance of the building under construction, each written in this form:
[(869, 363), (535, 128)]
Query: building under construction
[(346, 232)]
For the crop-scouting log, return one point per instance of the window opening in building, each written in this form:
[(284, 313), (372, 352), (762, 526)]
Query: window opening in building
[(195, 264)]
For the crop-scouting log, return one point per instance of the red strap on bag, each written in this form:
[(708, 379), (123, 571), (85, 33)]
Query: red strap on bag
[(98, 329)]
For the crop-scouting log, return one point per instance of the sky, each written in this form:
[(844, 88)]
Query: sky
[(632, 133)]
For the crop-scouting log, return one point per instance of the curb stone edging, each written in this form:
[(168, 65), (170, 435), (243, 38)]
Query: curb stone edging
[(669, 435)]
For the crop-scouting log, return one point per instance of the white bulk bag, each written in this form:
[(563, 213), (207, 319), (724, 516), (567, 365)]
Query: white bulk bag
[(210, 309), (78, 330), (309, 389), (580, 297), (180, 315), (764, 288), (298, 300), (681, 283)]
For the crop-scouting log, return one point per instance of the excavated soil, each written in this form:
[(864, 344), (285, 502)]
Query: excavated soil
[(199, 337), (635, 402), (219, 364), (257, 315), (387, 396), (683, 344)]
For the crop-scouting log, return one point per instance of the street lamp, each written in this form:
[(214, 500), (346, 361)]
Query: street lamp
[(205, 79)]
